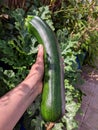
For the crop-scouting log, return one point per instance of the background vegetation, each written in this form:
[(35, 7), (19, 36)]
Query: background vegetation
[(75, 23)]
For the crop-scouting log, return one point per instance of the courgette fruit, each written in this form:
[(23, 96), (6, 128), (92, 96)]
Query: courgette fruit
[(53, 103)]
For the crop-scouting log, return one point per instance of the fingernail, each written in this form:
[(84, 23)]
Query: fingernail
[(40, 46)]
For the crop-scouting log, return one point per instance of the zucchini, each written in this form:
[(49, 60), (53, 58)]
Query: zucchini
[(53, 103)]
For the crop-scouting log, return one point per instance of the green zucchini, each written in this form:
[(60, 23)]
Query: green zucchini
[(53, 103)]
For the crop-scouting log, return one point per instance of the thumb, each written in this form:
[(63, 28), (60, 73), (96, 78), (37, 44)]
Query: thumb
[(40, 54)]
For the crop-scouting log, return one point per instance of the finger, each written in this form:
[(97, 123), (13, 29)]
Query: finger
[(40, 55)]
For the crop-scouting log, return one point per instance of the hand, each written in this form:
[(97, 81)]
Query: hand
[(37, 70), (18, 99)]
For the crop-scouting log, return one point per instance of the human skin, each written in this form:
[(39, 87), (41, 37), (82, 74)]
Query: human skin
[(15, 102)]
